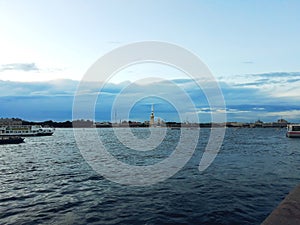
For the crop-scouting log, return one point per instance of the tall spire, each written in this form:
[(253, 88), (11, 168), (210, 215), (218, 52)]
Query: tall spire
[(151, 124)]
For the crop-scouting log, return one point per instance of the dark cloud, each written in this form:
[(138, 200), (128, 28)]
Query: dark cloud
[(293, 80), (19, 66), (244, 102), (37, 108)]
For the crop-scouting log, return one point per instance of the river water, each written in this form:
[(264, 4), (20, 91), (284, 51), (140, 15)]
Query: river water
[(47, 181)]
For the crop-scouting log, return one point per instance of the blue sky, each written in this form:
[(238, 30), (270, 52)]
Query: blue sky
[(251, 47)]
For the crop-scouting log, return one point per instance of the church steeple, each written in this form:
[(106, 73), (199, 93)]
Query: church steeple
[(151, 124)]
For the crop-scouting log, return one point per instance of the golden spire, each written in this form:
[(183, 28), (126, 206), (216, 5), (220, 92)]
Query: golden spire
[(152, 117)]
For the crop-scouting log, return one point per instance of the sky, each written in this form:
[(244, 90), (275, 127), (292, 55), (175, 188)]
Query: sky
[(251, 47)]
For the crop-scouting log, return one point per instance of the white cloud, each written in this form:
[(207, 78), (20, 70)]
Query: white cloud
[(207, 110), (51, 88), (19, 66), (289, 114)]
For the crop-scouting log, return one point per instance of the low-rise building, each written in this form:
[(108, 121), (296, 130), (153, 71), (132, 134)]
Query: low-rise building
[(10, 121)]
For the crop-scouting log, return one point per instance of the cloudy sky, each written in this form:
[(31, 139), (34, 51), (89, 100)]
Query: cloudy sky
[(251, 47)]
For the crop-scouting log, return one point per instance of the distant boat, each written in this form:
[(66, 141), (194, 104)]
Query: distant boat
[(25, 130), (293, 130), (11, 140)]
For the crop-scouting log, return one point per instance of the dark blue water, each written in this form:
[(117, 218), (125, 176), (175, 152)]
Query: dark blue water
[(47, 181)]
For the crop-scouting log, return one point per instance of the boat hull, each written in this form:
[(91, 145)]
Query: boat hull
[(11, 140), (26, 134), (293, 134), (43, 134)]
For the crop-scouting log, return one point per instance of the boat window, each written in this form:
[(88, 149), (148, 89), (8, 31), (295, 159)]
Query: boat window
[(296, 128)]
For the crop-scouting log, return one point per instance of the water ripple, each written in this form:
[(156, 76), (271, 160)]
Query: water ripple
[(46, 181)]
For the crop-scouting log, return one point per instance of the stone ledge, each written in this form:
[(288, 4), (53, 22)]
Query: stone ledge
[(287, 212)]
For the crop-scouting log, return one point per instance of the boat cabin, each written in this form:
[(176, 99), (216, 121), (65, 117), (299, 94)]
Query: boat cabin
[(293, 130)]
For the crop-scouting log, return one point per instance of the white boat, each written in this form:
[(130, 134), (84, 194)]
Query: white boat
[(25, 130), (293, 130)]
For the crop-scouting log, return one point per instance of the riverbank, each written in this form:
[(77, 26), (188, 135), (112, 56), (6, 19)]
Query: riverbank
[(287, 212), (281, 123)]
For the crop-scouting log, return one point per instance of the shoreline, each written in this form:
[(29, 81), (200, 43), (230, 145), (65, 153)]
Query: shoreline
[(134, 124)]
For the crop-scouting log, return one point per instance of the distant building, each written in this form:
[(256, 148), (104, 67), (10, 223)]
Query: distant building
[(10, 121), (282, 121), (258, 123), (234, 124), (83, 123)]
